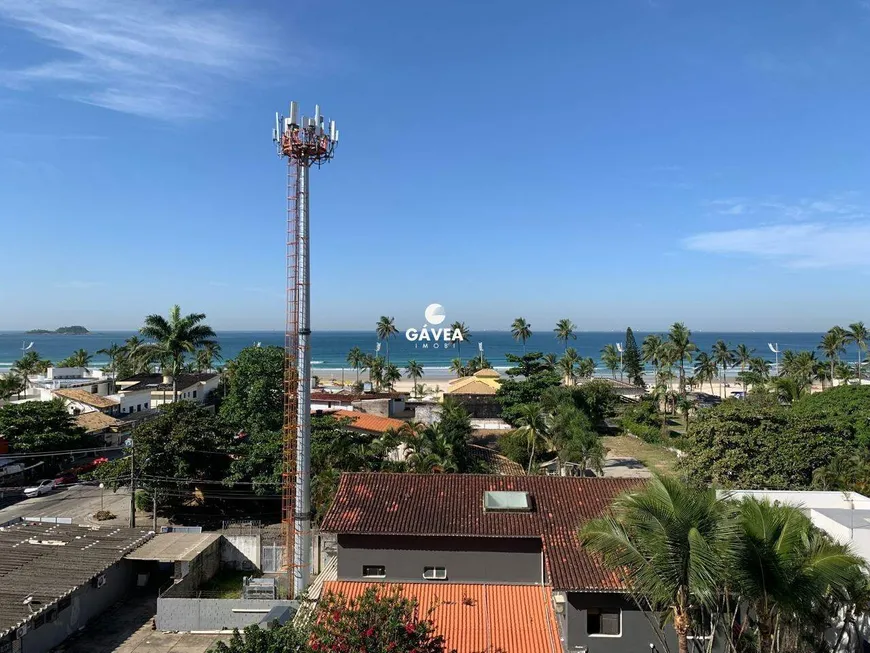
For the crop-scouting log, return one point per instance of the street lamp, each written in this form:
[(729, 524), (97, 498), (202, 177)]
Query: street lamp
[(102, 487), (619, 349)]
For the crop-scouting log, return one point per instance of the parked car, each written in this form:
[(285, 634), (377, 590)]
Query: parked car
[(90, 465), (66, 478), (43, 487)]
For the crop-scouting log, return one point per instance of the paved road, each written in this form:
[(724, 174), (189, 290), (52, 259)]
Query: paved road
[(78, 502)]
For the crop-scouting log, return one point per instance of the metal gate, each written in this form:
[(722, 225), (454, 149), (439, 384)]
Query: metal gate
[(271, 558)]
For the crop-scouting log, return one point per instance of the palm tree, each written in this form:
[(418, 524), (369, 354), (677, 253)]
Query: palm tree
[(610, 357), (859, 335), (386, 329), (376, 365), (175, 338), (11, 384), (743, 355), (565, 331), (724, 358), (651, 350), (533, 424), (356, 359), (586, 368), (207, 356), (705, 370), (670, 542), (80, 358), (521, 331), (466, 335), (833, 345), (30, 364), (137, 355), (114, 352), (457, 368), (550, 360), (391, 375), (415, 371), (567, 365), (790, 388), (680, 340), (430, 450), (784, 568)]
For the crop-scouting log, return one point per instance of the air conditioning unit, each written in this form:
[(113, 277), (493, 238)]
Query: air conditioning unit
[(99, 581)]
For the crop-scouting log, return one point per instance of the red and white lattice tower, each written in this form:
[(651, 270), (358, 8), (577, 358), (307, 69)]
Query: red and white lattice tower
[(304, 142)]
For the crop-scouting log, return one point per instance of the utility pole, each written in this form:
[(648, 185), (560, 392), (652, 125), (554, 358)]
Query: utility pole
[(132, 485), (154, 507)]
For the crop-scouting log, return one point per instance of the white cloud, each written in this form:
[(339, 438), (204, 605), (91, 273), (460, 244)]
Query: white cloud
[(806, 245), (159, 59)]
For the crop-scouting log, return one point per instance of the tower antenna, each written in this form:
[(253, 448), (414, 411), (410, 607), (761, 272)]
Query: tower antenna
[(303, 143)]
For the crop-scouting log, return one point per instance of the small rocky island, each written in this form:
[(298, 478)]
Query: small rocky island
[(75, 330)]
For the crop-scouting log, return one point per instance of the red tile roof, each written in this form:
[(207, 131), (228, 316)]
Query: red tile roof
[(366, 422), (452, 505), (474, 618)]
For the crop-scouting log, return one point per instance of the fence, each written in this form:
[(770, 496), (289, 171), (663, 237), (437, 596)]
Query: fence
[(208, 614)]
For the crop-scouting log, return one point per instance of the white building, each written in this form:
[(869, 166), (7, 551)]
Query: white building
[(158, 387)]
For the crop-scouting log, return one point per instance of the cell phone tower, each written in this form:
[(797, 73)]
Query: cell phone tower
[(306, 142)]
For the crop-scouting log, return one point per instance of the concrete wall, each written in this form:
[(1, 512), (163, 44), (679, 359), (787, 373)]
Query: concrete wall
[(479, 406), (467, 559), (185, 615), (240, 551), (638, 630), (380, 407), (427, 414), (809, 499), (197, 571), (86, 603)]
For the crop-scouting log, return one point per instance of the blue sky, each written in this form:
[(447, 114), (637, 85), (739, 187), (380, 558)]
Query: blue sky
[(619, 162)]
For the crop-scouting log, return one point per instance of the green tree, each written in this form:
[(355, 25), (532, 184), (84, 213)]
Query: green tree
[(743, 356), (521, 331), (611, 358), (567, 365), (724, 358), (136, 357), (680, 342), (705, 370), (37, 426), (632, 363), (386, 330), (175, 338), (391, 375), (586, 368), (466, 335), (760, 444), (833, 346), (651, 350), (278, 638), (377, 367), (564, 331), (380, 619), (254, 391), (357, 360), (11, 384), (784, 569), (28, 365), (846, 408), (114, 352), (207, 356), (415, 371), (859, 335), (533, 425), (669, 541), (570, 434), (525, 383), (457, 367)]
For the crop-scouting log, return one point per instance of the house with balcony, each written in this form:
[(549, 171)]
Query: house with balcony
[(157, 388)]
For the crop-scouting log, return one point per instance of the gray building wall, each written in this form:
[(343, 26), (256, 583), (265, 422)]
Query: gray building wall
[(202, 567), (240, 551), (467, 559), (185, 615), (638, 629), (86, 603)]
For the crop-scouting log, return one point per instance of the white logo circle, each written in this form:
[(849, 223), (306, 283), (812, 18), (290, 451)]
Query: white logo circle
[(435, 314)]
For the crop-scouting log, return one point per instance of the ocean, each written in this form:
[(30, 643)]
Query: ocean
[(329, 348)]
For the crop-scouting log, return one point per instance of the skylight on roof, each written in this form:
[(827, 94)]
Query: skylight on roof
[(506, 501)]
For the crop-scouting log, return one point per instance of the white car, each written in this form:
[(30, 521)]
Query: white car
[(43, 487)]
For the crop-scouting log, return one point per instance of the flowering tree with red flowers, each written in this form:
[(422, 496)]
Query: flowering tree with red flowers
[(380, 620)]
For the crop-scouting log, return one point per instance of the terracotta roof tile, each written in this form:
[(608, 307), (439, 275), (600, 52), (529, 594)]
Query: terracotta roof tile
[(97, 421), (472, 386), (367, 422), (474, 618), (87, 398), (452, 504)]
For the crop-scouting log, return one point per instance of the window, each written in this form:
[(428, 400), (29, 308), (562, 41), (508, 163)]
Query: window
[(138, 407), (374, 571), (194, 394), (506, 501), (435, 573), (146, 405), (604, 622)]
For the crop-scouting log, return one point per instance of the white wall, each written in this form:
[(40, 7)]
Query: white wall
[(134, 401), (809, 499)]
